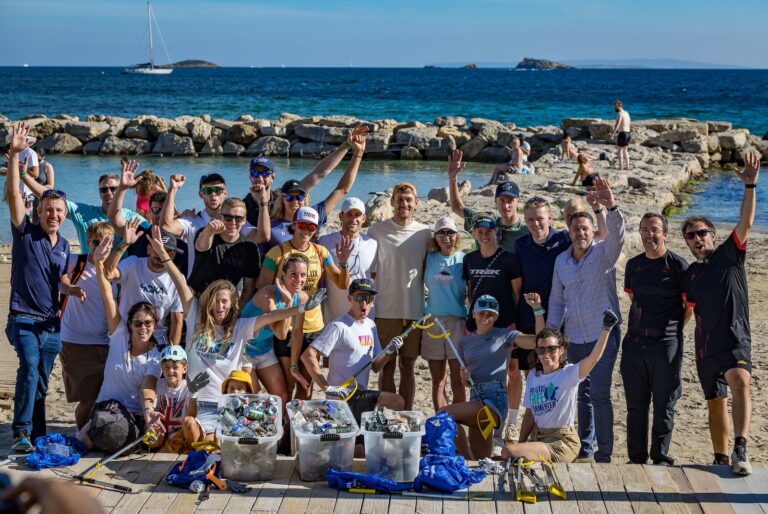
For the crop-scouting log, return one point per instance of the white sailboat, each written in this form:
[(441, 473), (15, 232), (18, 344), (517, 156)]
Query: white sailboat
[(150, 68)]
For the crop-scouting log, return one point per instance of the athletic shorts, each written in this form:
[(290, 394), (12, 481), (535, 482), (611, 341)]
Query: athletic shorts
[(563, 443), (494, 395), (524, 358), (389, 328), (283, 346), (712, 368), (207, 416), (622, 139), (437, 348), (362, 401), (82, 367), (262, 361)]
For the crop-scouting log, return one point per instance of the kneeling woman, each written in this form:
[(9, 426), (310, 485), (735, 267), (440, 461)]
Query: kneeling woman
[(485, 353), (551, 392)]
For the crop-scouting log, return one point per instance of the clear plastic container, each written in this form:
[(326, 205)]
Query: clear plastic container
[(393, 455), (249, 459), (317, 453)]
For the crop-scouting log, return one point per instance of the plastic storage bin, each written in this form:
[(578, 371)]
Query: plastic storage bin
[(393, 455), (249, 459), (317, 453)]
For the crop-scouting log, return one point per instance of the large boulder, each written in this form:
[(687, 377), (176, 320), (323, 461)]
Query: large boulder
[(410, 153), (136, 131), (285, 119), (459, 135), (269, 145), (472, 148), (243, 133), (440, 148), (489, 129), (581, 123), (378, 207), (702, 128), (86, 131), (678, 136), (337, 121), (198, 130), (60, 143), (698, 145), (157, 126), (332, 135), (378, 142), (311, 149), (117, 146), (212, 147), (601, 130), (417, 137), (731, 140), (386, 124), (91, 148), (451, 121), (494, 154), (275, 130), (719, 126), (47, 127), (169, 143), (231, 148)]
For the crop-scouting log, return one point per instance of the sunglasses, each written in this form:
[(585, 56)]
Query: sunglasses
[(690, 236), (155, 210), (96, 242), (213, 190), (137, 323), (231, 217), (54, 193), (260, 173), (543, 350), (487, 304), (305, 225), (446, 233), (298, 198), (363, 298), (105, 189)]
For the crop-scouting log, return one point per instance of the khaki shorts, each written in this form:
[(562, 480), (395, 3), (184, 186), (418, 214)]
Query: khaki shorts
[(82, 367), (563, 443), (389, 328), (438, 349)]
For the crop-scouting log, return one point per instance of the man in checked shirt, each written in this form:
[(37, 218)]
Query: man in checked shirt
[(583, 286)]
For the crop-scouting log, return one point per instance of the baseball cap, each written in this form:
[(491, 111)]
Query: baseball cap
[(211, 178), (307, 214), (446, 222), (240, 376), (487, 303), (173, 352), (484, 220), (521, 136), (292, 185), (508, 189), (262, 161), (361, 285), (170, 243), (352, 202), (31, 140)]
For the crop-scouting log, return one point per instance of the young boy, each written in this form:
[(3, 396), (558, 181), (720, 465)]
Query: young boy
[(238, 382)]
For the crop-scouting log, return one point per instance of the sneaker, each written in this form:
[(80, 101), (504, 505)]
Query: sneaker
[(22, 444), (498, 445), (740, 462), (511, 433), (664, 460), (721, 460)]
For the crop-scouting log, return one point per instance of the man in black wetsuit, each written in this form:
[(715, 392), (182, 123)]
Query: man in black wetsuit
[(716, 288)]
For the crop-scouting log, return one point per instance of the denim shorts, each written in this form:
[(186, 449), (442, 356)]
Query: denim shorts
[(494, 394), (207, 416)]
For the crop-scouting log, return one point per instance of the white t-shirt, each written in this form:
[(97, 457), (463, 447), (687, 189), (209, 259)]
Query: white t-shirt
[(552, 397), (31, 157), (349, 346), (399, 268), (172, 403), (85, 322), (360, 263), (123, 374), (190, 225), (140, 284), (216, 359)]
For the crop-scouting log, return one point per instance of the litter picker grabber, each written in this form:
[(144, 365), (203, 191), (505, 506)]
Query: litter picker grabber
[(507, 477), (85, 477), (523, 493), (485, 421), (554, 484)]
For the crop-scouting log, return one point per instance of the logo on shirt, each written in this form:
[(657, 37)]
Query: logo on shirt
[(543, 398), (172, 409), (444, 276), (485, 272), (153, 289), (365, 341), (208, 349)]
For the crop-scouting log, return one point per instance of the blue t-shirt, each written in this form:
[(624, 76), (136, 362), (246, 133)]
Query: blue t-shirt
[(261, 343), (84, 215), (280, 232), (36, 270), (447, 288)]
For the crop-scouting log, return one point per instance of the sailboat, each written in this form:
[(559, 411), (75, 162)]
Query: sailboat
[(150, 68)]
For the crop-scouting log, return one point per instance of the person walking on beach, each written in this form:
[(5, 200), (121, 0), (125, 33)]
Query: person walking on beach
[(716, 288), (400, 278), (584, 286), (621, 130), (652, 350), (39, 260)]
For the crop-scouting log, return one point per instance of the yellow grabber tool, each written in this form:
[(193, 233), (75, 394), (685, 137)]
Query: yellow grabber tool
[(554, 484), (86, 477), (350, 384), (485, 421)]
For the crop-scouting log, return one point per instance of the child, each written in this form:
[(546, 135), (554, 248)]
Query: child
[(585, 172), (238, 382)]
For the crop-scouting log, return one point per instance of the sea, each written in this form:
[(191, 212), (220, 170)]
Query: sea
[(526, 98)]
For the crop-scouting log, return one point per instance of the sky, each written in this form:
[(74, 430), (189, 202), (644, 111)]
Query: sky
[(394, 33)]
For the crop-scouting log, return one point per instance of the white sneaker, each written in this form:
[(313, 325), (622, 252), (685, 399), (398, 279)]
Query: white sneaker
[(511, 433), (498, 445), (740, 462)]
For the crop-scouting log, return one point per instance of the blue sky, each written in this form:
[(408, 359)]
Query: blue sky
[(392, 33)]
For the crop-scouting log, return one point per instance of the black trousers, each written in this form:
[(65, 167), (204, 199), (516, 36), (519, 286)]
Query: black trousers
[(650, 369)]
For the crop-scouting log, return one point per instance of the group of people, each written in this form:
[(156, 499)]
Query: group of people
[(160, 316)]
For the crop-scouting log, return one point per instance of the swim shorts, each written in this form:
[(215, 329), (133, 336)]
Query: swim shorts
[(622, 139), (712, 369)]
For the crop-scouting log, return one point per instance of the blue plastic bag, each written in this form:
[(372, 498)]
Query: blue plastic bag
[(445, 473), (179, 474), (54, 450), (343, 480), (440, 431)]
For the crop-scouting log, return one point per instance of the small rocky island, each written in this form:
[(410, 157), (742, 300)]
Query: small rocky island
[(541, 64), (195, 63)]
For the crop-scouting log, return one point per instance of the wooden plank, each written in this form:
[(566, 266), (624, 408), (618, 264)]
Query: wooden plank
[(681, 481), (611, 486), (485, 487), (758, 484), (348, 503), (429, 506), (542, 505), (123, 472), (164, 494), (664, 488), (296, 497), (323, 498), (558, 505), (737, 491), (216, 502), (84, 463), (151, 475), (505, 501), (375, 504), (585, 487), (707, 490), (639, 490), (272, 492), (402, 504)]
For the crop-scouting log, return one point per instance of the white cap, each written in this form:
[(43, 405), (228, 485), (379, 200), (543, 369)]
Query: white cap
[(446, 222), (307, 214), (352, 202), (31, 140)]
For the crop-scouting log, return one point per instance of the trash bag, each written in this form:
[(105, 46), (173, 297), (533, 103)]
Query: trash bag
[(445, 473), (440, 431), (55, 450), (180, 473), (344, 480)]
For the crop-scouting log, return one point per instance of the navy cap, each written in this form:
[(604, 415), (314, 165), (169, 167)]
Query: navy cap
[(484, 220), (292, 185), (361, 285), (211, 178), (508, 189), (521, 136), (262, 161)]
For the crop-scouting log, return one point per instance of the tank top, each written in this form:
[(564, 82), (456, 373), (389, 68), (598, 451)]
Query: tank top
[(261, 343)]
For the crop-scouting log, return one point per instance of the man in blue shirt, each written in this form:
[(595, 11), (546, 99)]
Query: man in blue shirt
[(39, 259)]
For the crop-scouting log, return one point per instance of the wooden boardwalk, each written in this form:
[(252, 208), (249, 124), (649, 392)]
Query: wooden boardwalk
[(591, 488)]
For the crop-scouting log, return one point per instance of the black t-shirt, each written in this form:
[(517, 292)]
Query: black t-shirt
[(141, 249), (252, 207), (717, 290), (232, 261), (656, 286), (492, 275)]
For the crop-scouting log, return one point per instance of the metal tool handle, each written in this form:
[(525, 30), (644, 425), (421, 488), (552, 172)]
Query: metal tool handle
[(453, 347)]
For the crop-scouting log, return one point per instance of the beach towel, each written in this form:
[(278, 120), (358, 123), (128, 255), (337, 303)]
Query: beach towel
[(54, 450)]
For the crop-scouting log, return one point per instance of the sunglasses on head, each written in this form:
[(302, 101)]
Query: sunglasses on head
[(690, 236), (213, 190), (487, 304), (446, 233), (138, 323), (543, 350), (260, 173), (305, 225), (105, 189), (233, 217), (53, 193), (298, 198), (360, 298)]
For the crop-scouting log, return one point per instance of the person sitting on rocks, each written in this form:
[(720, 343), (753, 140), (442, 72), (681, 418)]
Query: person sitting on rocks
[(516, 164), (567, 148), (585, 172)]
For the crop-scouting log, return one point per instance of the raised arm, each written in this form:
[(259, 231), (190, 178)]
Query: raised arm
[(130, 236), (455, 166), (600, 215), (204, 241), (614, 239), (115, 209), (748, 204), (16, 205), (528, 341), (105, 288), (49, 172), (268, 318), (325, 166), (356, 140), (339, 275), (185, 293), (590, 361), (263, 231), (168, 214)]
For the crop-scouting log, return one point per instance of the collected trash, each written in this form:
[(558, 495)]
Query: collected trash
[(388, 420), (325, 418), (243, 416), (489, 466), (393, 443), (54, 450)]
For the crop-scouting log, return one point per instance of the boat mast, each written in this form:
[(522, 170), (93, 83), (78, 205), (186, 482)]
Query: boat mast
[(149, 27)]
